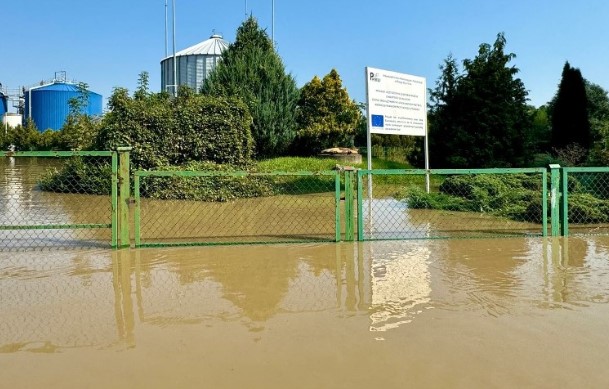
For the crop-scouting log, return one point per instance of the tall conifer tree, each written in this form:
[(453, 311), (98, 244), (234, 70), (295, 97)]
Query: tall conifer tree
[(570, 122), (252, 70)]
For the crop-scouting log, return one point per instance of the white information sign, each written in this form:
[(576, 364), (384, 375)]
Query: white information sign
[(397, 103)]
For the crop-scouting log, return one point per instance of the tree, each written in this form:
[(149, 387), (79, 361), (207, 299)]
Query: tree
[(538, 139), (569, 111), (326, 115), (252, 70), (598, 114), (24, 138), (479, 118)]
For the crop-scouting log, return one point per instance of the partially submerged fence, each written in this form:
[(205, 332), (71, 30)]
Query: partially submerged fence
[(189, 207), (58, 199), (395, 204), (584, 205), (82, 199)]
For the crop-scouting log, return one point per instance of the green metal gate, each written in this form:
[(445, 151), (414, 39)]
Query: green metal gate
[(584, 205), (58, 199), (451, 203), (209, 208)]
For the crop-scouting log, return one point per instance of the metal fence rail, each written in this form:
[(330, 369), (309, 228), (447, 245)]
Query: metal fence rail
[(584, 208), (82, 199), (394, 204), (58, 199), (199, 208)]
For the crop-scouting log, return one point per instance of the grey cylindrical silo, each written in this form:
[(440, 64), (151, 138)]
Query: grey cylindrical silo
[(193, 64)]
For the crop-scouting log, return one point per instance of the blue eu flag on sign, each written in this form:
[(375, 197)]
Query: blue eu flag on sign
[(378, 121)]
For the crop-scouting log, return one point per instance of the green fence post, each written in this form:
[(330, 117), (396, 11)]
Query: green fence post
[(124, 195), (360, 207), (564, 203), (544, 203), (114, 200), (138, 211), (349, 227), (337, 224), (554, 198)]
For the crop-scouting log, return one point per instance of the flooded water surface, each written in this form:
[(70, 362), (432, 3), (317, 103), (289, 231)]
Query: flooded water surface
[(500, 313)]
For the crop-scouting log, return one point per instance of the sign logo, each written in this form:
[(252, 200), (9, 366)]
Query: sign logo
[(374, 77), (377, 121)]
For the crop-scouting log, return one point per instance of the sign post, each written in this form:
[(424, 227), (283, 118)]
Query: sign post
[(397, 105)]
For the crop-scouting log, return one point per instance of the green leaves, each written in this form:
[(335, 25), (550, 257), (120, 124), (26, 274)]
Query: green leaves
[(252, 71), (479, 118), (165, 131), (570, 121), (326, 116)]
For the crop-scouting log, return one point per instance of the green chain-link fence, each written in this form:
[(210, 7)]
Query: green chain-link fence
[(395, 204), (72, 199), (188, 207), (585, 200), (58, 199)]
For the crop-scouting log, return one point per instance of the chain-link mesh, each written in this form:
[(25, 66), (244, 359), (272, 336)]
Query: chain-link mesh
[(473, 203), (61, 201), (587, 200), (217, 208)]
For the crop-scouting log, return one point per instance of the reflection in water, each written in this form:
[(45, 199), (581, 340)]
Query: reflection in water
[(401, 282), (390, 282), (304, 303)]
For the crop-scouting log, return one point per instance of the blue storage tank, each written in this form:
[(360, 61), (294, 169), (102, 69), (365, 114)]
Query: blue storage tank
[(49, 104), (3, 104)]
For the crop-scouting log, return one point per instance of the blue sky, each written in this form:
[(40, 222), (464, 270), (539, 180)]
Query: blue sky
[(108, 43)]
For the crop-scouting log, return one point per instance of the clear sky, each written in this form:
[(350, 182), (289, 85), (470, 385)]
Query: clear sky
[(108, 43)]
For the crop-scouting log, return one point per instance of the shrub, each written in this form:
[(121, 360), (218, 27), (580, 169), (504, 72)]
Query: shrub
[(514, 196), (165, 131)]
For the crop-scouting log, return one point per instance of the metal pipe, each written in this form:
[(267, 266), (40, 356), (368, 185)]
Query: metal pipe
[(175, 66), (166, 41)]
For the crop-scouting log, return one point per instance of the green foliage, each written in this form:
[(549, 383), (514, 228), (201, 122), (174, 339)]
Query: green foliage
[(513, 196), (80, 175), (294, 164), (165, 131), (326, 116), (570, 121), (417, 198), (217, 188), (78, 133), (538, 138), (24, 138), (79, 103), (252, 70), (585, 208), (598, 113), (479, 118)]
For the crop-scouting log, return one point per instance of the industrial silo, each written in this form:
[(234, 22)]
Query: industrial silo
[(3, 104), (193, 64), (49, 105)]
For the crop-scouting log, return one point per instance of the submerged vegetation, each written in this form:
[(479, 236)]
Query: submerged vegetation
[(512, 196)]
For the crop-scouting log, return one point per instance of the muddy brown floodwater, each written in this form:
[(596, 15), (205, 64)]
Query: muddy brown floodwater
[(501, 313)]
